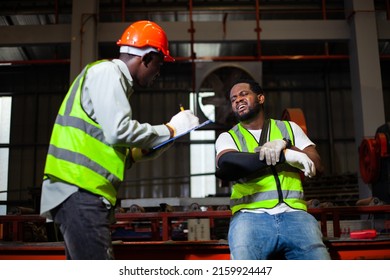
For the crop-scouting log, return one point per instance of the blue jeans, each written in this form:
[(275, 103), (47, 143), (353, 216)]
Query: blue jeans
[(84, 221), (291, 235)]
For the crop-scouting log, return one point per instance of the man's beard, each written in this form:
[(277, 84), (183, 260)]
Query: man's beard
[(251, 114)]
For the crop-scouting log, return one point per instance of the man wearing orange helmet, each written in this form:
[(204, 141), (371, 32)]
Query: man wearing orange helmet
[(94, 139), (146, 40)]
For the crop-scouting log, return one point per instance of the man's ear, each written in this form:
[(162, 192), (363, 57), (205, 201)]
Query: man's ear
[(261, 98), (147, 58)]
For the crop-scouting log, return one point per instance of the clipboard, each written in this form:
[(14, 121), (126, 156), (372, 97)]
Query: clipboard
[(181, 134)]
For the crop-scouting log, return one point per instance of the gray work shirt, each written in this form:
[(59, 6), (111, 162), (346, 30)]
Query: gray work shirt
[(105, 100)]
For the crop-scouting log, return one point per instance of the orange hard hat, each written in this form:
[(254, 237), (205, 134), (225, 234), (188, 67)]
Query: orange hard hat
[(143, 34)]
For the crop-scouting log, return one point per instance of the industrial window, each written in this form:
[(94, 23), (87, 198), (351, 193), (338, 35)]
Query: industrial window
[(202, 151), (5, 124)]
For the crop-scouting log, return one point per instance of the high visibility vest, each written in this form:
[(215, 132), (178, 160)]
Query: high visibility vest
[(272, 185), (78, 153)]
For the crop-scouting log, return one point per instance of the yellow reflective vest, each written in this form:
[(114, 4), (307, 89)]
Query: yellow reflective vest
[(78, 153), (274, 184)]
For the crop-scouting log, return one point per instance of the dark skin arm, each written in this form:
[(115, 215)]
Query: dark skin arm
[(234, 165)]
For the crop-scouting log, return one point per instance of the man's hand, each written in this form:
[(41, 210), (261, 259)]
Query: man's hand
[(183, 121), (271, 151), (301, 161), (139, 155)]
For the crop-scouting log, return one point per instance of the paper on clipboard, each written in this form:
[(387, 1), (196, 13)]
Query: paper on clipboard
[(181, 134)]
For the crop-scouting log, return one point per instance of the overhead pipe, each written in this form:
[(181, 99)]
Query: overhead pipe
[(266, 58), (34, 61), (225, 15), (258, 29), (123, 15), (388, 9), (324, 9), (192, 50), (206, 58), (212, 10), (328, 105), (324, 17), (56, 12)]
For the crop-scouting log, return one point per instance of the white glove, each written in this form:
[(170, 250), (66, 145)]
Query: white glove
[(183, 121), (301, 161), (271, 151)]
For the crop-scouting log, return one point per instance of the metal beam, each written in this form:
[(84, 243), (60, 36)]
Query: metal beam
[(84, 35), (17, 35), (212, 32), (367, 93)]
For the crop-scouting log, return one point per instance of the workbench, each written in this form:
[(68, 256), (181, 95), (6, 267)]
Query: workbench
[(361, 249), (376, 249)]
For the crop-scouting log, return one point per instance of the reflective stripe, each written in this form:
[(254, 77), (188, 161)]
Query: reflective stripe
[(241, 138), (262, 196), (75, 86), (77, 122), (82, 125), (283, 129), (83, 161)]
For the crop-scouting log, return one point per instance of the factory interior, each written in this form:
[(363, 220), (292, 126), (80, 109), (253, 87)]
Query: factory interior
[(324, 64)]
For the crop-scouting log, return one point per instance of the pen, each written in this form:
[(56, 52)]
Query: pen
[(181, 108)]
